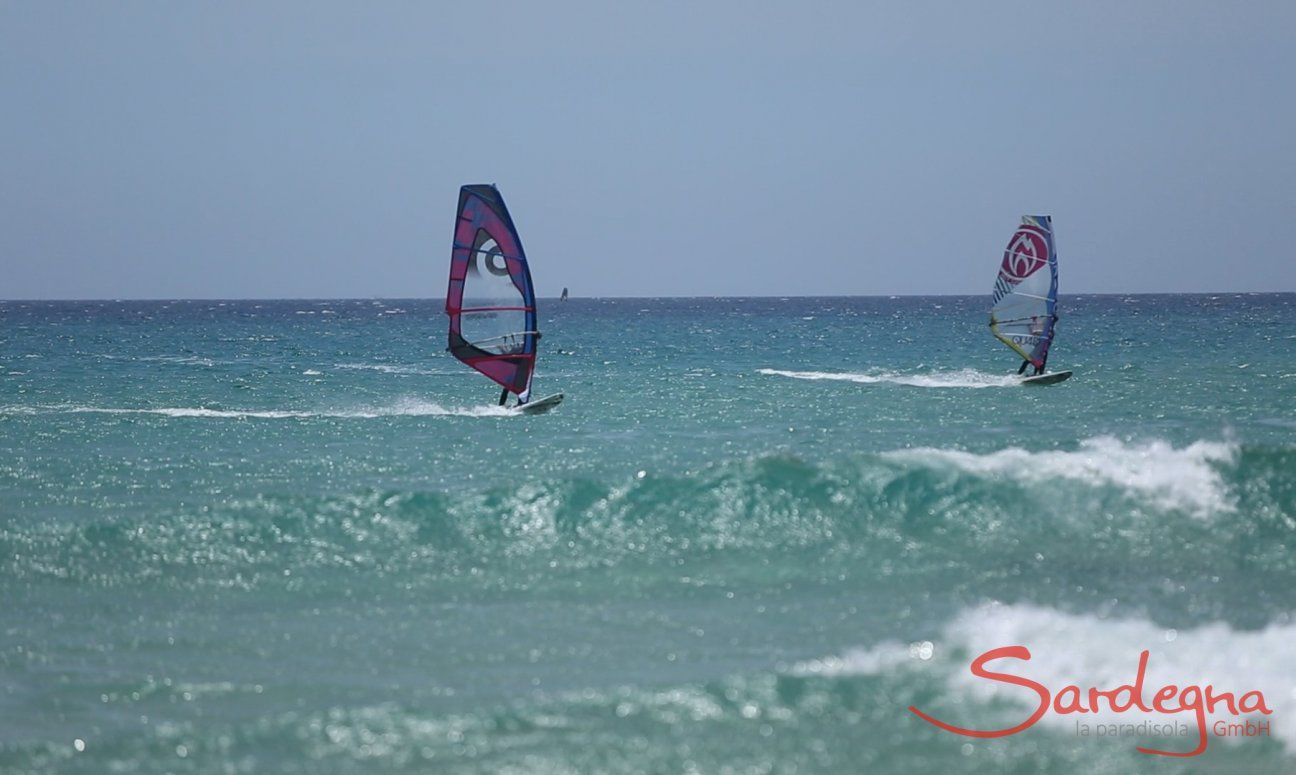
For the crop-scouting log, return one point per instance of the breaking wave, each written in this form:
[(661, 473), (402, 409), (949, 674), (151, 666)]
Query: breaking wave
[(977, 516), (809, 713), (1086, 650), (1187, 478)]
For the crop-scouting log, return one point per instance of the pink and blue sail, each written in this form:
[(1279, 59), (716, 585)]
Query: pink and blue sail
[(1024, 311), (491, 300)]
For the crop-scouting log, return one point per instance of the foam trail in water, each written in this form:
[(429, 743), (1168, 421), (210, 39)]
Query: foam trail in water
[(404, 408), (1187, 478), (1086, 650), (177, 360), (962, 378), (389, 368)]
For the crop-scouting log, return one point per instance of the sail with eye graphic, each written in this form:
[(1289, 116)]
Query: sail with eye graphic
[(491, 299), (1024, 311)]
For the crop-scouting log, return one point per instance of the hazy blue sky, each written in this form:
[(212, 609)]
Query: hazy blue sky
[(316, 148)]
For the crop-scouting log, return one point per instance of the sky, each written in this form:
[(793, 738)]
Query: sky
[(315, 149)]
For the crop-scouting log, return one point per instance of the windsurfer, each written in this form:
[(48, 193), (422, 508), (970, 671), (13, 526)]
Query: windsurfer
[(1038, 369), (504, 398)]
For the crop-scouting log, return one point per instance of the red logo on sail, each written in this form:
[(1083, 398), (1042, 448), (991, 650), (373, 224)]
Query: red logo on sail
[(1027, 251)]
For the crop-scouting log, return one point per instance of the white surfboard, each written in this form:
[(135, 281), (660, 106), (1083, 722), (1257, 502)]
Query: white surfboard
[(1047, 379), (542, 405)]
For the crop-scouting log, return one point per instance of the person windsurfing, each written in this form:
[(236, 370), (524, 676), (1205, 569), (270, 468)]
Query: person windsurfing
[(1038, 369), (1023, 311)]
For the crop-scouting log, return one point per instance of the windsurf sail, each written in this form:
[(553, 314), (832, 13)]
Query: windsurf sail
[(491, 301), (1024, 310)]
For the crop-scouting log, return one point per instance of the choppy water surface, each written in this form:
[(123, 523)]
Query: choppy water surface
[(297, 535)]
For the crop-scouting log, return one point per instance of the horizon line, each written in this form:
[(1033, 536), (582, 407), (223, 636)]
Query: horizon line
[(599, 298)]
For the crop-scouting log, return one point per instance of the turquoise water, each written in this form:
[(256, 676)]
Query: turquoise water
[(297, 536)]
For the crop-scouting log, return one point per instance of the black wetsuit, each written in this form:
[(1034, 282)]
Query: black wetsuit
[(1038, 369)]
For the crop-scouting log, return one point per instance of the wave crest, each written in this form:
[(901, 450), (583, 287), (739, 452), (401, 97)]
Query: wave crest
[(880, 514), (1187, 478), (1085, 650)]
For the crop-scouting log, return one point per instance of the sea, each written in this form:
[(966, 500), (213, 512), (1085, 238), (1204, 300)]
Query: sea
[(760, 535)]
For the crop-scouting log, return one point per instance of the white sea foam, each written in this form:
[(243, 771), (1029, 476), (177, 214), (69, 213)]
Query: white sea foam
[(387, 368), (186, 411), (1185, 478), (962, 378), (406, 407), (21, 410), (181, 360), (1087, 650)]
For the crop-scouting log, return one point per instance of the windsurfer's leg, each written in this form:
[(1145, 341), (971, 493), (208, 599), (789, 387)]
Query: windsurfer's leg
[(503, 396), (1022, 369)]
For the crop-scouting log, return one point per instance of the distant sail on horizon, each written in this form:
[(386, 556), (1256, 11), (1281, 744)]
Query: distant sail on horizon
[(1024, 311), (564, 294), (491, 299)]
